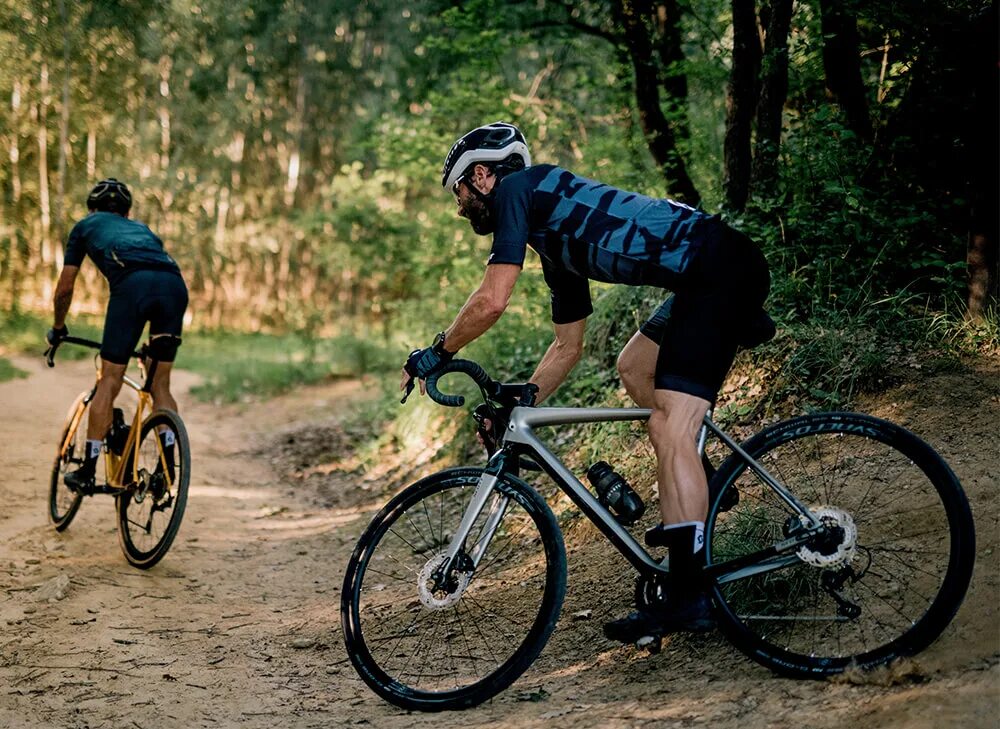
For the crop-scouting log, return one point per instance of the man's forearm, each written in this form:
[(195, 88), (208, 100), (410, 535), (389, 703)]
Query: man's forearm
[(61, 302), (64, 295), (559, 360), (478, 314)]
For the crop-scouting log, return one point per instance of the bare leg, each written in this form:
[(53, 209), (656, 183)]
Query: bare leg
[(637, 365), (161, 387), (108, 387), (673, 428)]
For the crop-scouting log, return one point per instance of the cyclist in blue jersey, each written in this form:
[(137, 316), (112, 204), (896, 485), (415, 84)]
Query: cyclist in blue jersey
[(675, 364), (146, 285)]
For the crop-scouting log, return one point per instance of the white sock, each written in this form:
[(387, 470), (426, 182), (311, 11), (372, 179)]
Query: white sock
[(699, 536), (93, 448), (699, 533), (168, 438)]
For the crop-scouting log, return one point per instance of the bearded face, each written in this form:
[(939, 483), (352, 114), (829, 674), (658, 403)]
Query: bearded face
[(474, 208)]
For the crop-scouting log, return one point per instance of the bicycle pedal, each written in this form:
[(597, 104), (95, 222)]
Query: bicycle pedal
[(651, 643)]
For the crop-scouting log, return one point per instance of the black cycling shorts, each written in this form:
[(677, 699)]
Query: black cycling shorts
[(700, 327), (159, 297)]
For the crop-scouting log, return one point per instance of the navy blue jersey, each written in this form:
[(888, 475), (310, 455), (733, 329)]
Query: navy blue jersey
[(117, 245), (584, 230)]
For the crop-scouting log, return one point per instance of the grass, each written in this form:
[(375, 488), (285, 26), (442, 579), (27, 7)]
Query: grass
[(239, 366), (9, 372), (235, 366)]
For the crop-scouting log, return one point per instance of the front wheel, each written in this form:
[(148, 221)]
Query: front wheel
[(64, 503), (151, 506), (427, 641), (882, 579)]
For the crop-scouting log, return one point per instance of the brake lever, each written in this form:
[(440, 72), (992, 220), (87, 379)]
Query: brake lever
[(409, 389)]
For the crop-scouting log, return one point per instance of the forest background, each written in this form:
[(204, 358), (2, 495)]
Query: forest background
[(289, 152)]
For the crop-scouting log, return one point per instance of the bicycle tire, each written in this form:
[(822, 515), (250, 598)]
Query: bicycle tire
[(915, 546), (152, 495), (63, 503), (362, 619)]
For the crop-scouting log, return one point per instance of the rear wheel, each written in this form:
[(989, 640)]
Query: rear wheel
[(64, 503), (890, 570), (432, 642), (150, 509)]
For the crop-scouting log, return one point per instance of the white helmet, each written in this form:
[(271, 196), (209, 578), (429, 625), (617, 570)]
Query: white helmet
[(492, 143)]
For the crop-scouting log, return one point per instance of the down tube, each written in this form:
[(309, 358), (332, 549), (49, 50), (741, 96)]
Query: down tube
[(589, 505)]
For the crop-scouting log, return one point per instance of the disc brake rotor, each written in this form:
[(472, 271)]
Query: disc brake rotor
[(832, 554), (439, 599)]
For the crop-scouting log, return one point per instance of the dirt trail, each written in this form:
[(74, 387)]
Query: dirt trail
[(239, 625)]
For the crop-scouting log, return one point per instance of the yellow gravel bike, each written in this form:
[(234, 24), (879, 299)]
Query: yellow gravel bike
[(150, 489)]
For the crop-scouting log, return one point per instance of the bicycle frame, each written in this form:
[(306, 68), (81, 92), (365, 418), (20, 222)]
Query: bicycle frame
[(115, 465), (520, 438)]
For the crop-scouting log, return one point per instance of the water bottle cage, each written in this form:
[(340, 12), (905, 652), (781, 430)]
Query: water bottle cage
[(118, 434), (614, 493)]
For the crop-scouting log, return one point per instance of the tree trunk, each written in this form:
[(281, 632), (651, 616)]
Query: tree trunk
[(659, 136), (842, 64), (741, 96), (773, 92), (667, 21), (297, 129), (42, 132), (983, 257), (163, 112), (60, 208), (14, 154)]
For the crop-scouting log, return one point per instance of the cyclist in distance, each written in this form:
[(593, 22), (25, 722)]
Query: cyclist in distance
[(146, 285), (675, 363)]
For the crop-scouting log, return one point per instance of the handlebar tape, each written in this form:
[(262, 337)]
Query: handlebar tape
[(473, 370)]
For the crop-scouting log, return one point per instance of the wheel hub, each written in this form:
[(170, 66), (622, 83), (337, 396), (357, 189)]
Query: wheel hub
[(437, 591), (836, 545)]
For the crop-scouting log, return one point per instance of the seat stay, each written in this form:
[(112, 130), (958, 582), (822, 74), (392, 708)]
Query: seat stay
[(783, 493)]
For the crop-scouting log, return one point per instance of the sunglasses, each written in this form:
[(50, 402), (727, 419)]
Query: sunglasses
[(458, 183)]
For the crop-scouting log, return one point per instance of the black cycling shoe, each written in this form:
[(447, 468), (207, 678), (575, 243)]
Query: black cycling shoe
[(80, 481), (692, 614)]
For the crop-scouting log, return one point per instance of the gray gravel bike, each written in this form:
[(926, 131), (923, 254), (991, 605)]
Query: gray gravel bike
[(833, 540)]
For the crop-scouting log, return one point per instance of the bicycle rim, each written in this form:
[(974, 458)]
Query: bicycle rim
[(895, 591), (427, 649), (150, 510)]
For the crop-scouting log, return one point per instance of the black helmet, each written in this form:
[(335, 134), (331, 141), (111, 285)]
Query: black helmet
[(497, 144), (110, 196)]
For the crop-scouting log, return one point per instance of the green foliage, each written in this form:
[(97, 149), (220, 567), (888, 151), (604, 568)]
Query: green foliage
[(256, 366), (835, 241), (24, 332), (9, 372)]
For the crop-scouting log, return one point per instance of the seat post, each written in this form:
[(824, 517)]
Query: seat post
[(147, 386)]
